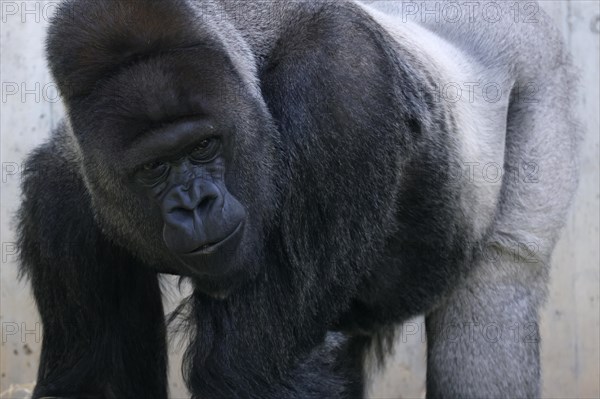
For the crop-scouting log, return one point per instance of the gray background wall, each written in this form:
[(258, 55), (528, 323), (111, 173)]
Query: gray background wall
[(570, 324)]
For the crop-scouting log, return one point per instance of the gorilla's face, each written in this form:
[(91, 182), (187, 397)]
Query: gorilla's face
[(182, 171), (177, 155)]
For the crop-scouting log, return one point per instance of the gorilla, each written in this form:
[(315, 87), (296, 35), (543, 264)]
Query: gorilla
[(319, 173)]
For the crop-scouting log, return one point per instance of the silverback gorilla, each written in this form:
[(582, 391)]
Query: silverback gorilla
[(319, 172)]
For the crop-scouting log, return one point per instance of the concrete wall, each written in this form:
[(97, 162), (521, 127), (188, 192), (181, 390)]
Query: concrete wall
[(570, 327)]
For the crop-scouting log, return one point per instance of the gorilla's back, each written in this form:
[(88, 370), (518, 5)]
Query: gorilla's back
[(528, 129)]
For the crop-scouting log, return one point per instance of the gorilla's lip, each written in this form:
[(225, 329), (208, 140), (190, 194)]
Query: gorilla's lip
[(207, 249)]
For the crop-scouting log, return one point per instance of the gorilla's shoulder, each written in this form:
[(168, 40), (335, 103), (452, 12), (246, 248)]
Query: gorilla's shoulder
[(54, 164), (56, 206)]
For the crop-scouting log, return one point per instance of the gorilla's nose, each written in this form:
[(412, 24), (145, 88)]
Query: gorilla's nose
[(187, 214)]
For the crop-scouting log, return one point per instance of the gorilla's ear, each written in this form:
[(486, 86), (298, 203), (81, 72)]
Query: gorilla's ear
[(90, 39)]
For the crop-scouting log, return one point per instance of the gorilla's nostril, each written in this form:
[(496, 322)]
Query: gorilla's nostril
[(206, 201)]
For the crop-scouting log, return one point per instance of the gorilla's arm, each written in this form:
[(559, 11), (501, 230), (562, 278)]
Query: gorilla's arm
[(104, 333), (484, 339), (496, 307)]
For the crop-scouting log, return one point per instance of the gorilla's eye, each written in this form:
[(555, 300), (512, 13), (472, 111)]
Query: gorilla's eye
[(153, 166), (205, 151), (152, 171)]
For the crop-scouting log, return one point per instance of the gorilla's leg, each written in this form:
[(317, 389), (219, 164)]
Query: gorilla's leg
[(103, 323)]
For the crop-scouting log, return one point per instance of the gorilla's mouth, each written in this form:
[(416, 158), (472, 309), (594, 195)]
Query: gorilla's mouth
[(211, 247)]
